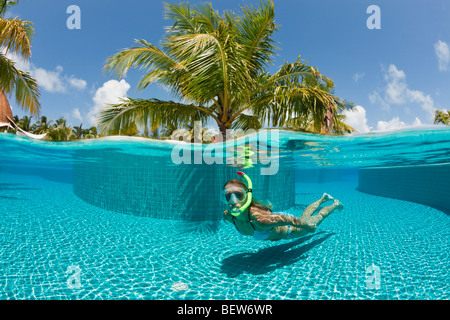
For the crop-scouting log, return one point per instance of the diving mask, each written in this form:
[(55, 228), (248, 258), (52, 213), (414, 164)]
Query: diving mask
[(234, 195)]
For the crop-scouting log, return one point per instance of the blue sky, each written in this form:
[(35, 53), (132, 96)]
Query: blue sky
[(397, 75)]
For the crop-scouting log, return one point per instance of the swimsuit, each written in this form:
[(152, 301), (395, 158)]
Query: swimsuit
[(264, 235), (258, 235)]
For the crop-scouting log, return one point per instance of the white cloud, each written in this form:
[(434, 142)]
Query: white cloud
[(375, 97), (358, 76), (111, 92), (79, 84), (50, 81), (443, 54), (396, 85), (53, 81), (397, 92), (356, 118), (76, 114), (396, 124)]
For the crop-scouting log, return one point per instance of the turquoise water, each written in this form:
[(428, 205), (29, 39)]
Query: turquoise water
[(56, 243)]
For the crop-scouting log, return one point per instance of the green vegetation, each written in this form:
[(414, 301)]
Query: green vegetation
[(216, 65), (59, 131), (56, 130), (15, 37), (442, 117)]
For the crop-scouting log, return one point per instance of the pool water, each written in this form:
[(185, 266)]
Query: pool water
[(54, 245)]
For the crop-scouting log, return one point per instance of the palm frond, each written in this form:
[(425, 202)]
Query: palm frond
[(5, 4), (246, 122), (21, 83), (440, 116), (118, 117), (183, 18), (15, 36), (254, 31), (146, 57)]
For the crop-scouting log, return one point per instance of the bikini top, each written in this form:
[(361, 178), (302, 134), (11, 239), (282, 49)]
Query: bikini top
[(249, 220)]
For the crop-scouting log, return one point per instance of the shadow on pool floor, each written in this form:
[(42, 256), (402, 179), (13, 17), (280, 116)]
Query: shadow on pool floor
[(271, 258)]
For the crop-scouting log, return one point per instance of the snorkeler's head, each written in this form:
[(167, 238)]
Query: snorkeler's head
[(234, 189), (237, 194)]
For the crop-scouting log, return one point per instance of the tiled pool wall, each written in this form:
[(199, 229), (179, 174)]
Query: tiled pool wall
[(429, 185), (59, 173), (152, 187), (326, 175)]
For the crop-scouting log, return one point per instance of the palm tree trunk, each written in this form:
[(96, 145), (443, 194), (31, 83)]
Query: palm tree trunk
[(223, 130), (5, 109), (328, 121)]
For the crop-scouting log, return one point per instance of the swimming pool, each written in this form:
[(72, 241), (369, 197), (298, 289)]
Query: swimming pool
[(72, 226)]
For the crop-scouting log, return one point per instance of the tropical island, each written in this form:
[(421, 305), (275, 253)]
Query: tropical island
[(214, 65)]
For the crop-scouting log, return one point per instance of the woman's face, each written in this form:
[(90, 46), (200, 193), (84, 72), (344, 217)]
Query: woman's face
[(234, 195)]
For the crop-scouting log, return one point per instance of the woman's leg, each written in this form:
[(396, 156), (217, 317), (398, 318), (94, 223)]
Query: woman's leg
[(325, 212), (289, 232), (313, 206)]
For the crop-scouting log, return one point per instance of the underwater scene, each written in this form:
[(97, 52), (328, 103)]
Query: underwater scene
[(135, 218)]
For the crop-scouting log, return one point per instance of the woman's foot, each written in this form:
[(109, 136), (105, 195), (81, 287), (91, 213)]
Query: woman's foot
[(327, 197), (338, 205)]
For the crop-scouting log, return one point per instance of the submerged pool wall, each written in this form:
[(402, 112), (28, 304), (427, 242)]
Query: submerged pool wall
[(427, 184), (152, 187)]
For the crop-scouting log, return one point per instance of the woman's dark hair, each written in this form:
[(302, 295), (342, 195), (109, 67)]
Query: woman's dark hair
[(254, 203)]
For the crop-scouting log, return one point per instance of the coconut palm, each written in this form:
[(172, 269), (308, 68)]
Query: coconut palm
[(216, 67), (60, 132), (79, 131), (442, 117), (93, 131), (15, 38), (42, 125), (318, 117), (25, 123)]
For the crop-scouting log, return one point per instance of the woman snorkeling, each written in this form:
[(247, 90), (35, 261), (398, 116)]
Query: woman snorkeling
[(253, 218)]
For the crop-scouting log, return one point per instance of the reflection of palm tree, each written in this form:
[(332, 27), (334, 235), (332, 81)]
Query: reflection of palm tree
[(15, 37), (216, 66), (442, 117)]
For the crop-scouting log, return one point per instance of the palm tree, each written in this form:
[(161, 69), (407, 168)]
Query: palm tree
[(442, 117), (25, 123), (42, 126), (15, 37), (78, 130), (60, 132), (322, 118), (215, 65), (93, 131)]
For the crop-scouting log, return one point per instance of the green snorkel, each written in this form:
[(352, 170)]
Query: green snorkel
[(237, 211)]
